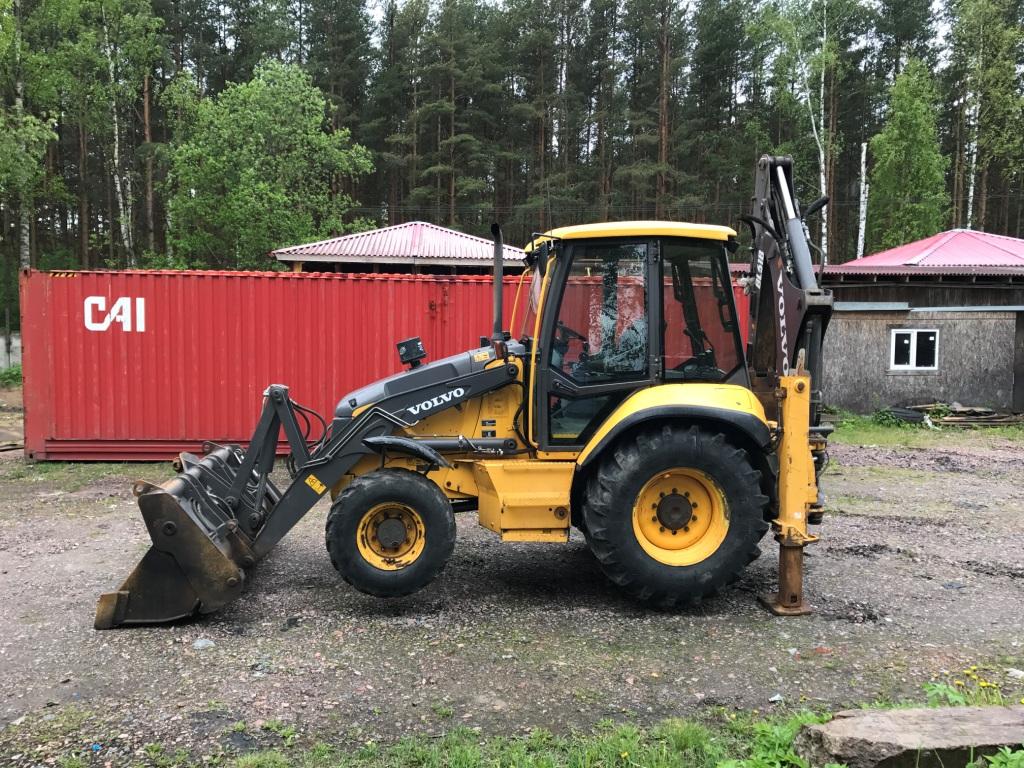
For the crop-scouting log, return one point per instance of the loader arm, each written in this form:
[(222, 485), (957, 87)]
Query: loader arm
[(222, 513)]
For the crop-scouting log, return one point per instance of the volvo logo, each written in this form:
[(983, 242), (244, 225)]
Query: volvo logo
[(435, 402), (783, 340)]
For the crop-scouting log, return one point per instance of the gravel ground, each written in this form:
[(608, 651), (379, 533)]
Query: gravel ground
[(920, 571)]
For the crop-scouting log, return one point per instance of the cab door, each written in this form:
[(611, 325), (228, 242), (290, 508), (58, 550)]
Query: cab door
[(596, 340)]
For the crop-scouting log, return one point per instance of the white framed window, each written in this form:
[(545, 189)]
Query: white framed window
[(914, 349)]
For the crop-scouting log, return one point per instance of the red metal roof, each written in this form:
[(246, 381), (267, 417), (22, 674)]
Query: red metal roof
[(416, 241), (956, 252)]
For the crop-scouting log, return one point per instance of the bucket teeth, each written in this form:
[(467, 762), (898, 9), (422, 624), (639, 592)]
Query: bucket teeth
[(194, 564)]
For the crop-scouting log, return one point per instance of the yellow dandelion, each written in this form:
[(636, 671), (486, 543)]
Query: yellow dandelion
[(958, 682)]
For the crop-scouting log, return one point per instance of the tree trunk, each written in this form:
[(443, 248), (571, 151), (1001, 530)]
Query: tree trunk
[(451, 146), (664, 49), (122, 186), (437, 176), (111, 218), (147, 135), (972, 163), (414, 160), (833, 129), (862, 212), (983, 197), (823, 143), (24, 198), (958, 166), (83, 195), (541, 144)]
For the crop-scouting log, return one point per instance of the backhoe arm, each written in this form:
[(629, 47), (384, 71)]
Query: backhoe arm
[(789, 312)]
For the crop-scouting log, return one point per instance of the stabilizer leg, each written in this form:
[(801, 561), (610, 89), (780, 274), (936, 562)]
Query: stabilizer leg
[(789, 600), (798, 495)]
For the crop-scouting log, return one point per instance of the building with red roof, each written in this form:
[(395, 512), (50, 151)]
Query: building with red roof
[(937, 320), (413, 247)]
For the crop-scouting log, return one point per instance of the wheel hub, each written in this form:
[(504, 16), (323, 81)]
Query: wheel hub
[(391, 533), (680, 516), (390, 536), (674, 511)]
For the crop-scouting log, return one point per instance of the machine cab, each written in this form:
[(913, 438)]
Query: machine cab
[(603, 333)]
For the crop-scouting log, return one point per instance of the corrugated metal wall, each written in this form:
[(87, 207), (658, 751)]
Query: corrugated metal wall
[(140, 365)]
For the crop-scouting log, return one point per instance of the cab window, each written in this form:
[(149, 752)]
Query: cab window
[(700, 337), (600, 337)]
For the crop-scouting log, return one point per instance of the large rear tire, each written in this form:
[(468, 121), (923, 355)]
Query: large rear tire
[(390, 532), (673, 514)]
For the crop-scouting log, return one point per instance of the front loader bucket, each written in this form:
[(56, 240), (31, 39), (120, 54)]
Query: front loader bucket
[(195, 564)]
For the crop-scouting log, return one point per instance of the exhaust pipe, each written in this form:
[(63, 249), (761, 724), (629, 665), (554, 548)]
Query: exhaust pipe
[(497, 335)]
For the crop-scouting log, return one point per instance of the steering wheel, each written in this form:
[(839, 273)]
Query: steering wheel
[(565, 334)]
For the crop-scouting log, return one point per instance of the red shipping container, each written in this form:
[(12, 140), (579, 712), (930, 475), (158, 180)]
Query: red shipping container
[(139, 365)]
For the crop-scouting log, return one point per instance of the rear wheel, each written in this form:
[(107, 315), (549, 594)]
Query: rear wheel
[(390, 532), (674, 514)]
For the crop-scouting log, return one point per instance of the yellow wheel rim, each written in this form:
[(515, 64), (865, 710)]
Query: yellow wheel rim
[(680, 517), (391, 536)]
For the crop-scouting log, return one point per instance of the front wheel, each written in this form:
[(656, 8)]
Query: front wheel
[(390, 532), (673, 514)]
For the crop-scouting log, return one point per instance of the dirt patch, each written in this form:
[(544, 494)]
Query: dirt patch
[(865, 550), (969, 459), (918, 574), (995, 569)]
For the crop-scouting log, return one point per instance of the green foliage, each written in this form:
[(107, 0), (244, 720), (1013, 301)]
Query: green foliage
[(1006, 758), (772, 743), (987, 53), (10, 377), (259, 169), (23, 140), (908, 198), (287, 732), (887, 418), (537, 114)]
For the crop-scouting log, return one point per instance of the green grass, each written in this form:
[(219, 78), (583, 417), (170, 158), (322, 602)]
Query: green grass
[(722, 739), (852, 429), (73, 476), (10, 377), (729, 742)]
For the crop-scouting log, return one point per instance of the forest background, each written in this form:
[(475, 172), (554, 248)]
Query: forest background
[(204, 133)]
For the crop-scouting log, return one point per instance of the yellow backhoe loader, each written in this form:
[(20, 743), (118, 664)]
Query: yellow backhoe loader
[(624, 405)]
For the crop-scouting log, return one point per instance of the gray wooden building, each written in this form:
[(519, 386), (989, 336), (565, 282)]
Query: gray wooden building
[(941, 319)]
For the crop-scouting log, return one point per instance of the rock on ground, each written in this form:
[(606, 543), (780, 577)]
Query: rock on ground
[(911, 738)]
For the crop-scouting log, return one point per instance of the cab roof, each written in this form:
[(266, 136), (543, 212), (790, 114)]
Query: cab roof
[(637, 229)]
